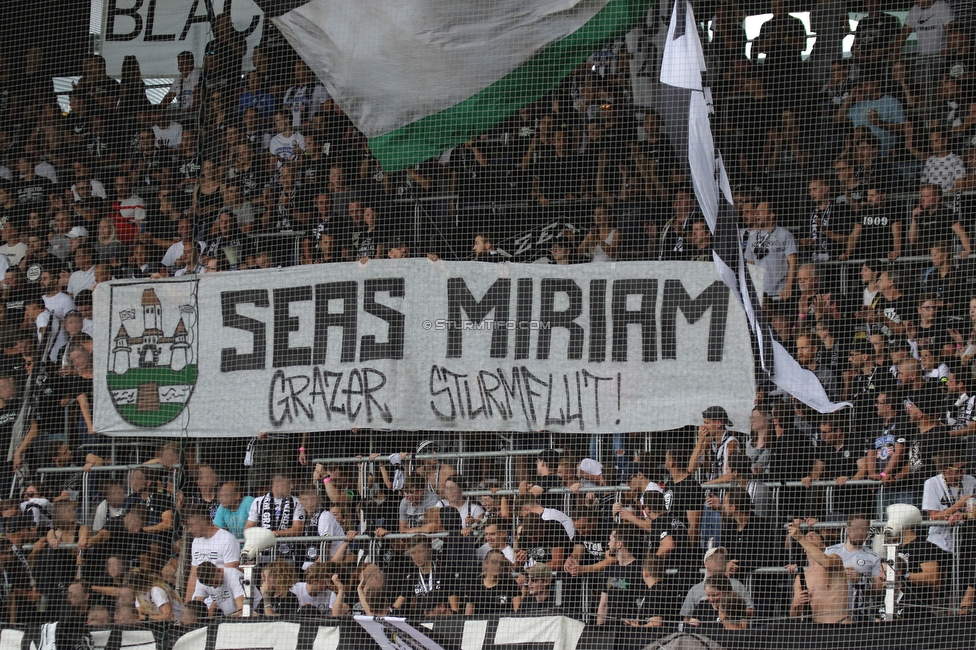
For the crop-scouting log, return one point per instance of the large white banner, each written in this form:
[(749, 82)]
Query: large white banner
[(414, 344), (155, 31)]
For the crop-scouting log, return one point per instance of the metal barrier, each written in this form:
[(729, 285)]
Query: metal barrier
[(85, 495)]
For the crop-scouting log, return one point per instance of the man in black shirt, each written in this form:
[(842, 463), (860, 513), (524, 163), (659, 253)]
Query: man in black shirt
[(622, 587), (932, 222), (931, 438), (123, 537), (425, 588), (541, 541), (545, 467), (537, 598), (749, 539), (841, 462), (24, 596), (682, 494)]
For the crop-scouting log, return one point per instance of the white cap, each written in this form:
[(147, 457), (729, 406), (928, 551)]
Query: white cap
[(591, 467), (77, 231)]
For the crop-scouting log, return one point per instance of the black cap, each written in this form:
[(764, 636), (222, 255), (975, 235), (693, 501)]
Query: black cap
[(550, 457), (717, 413)]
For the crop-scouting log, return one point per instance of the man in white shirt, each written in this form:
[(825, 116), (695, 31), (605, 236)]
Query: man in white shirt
[(56, 301), (862, 566), (287, 144), (219, 589), (495, 540), (174, 254), (84, 277), (945, 498), (111, 505), (168, 133), (314, 593), (185, 85), (13, 249), (210, 544), (526, 503)]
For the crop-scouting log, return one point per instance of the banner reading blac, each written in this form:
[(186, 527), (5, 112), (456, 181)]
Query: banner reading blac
[(414, 344)]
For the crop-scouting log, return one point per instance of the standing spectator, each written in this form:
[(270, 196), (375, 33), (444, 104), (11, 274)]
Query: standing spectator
[(862, 567), (715, 444), (185, 86), (869, 107), (315, 593), (19, 574), (716, 564), (877, 232), (932, 222), (288, 144), (210, 544), (306, 97), (830, 225), (928, 441), (943, 167), (773, 249), (822, 587), (279, 512), (234, 508), (111, 505), (537, 597), (277, 580), (84, 277), (928, 20), (621, 589), (371, 591), (944, 498)]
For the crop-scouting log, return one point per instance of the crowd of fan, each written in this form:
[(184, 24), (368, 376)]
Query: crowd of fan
[(163, 549), (120, 188)]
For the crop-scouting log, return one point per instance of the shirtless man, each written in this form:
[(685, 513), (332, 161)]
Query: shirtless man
[(822, 585)]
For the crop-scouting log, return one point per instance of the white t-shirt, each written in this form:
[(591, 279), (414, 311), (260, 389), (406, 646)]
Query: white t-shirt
[(305, 102), (939, 496), (170, 137), (59, 304), (102, 514), (81, 280), (175, 252), (287, 148), (508, 552), (225, 596), (929, 25), (15, 253), (323, 602), (221, 549), (328, 526), (184, 87)]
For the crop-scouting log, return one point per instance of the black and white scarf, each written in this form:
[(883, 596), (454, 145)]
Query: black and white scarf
[(277, 518)]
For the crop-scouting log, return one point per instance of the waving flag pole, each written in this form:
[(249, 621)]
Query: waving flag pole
[(682, 68)]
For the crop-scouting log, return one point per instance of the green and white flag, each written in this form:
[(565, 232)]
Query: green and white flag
[(421, 76)]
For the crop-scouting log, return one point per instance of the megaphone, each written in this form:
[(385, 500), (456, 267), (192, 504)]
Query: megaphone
[(900, 517), (256, 539)]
